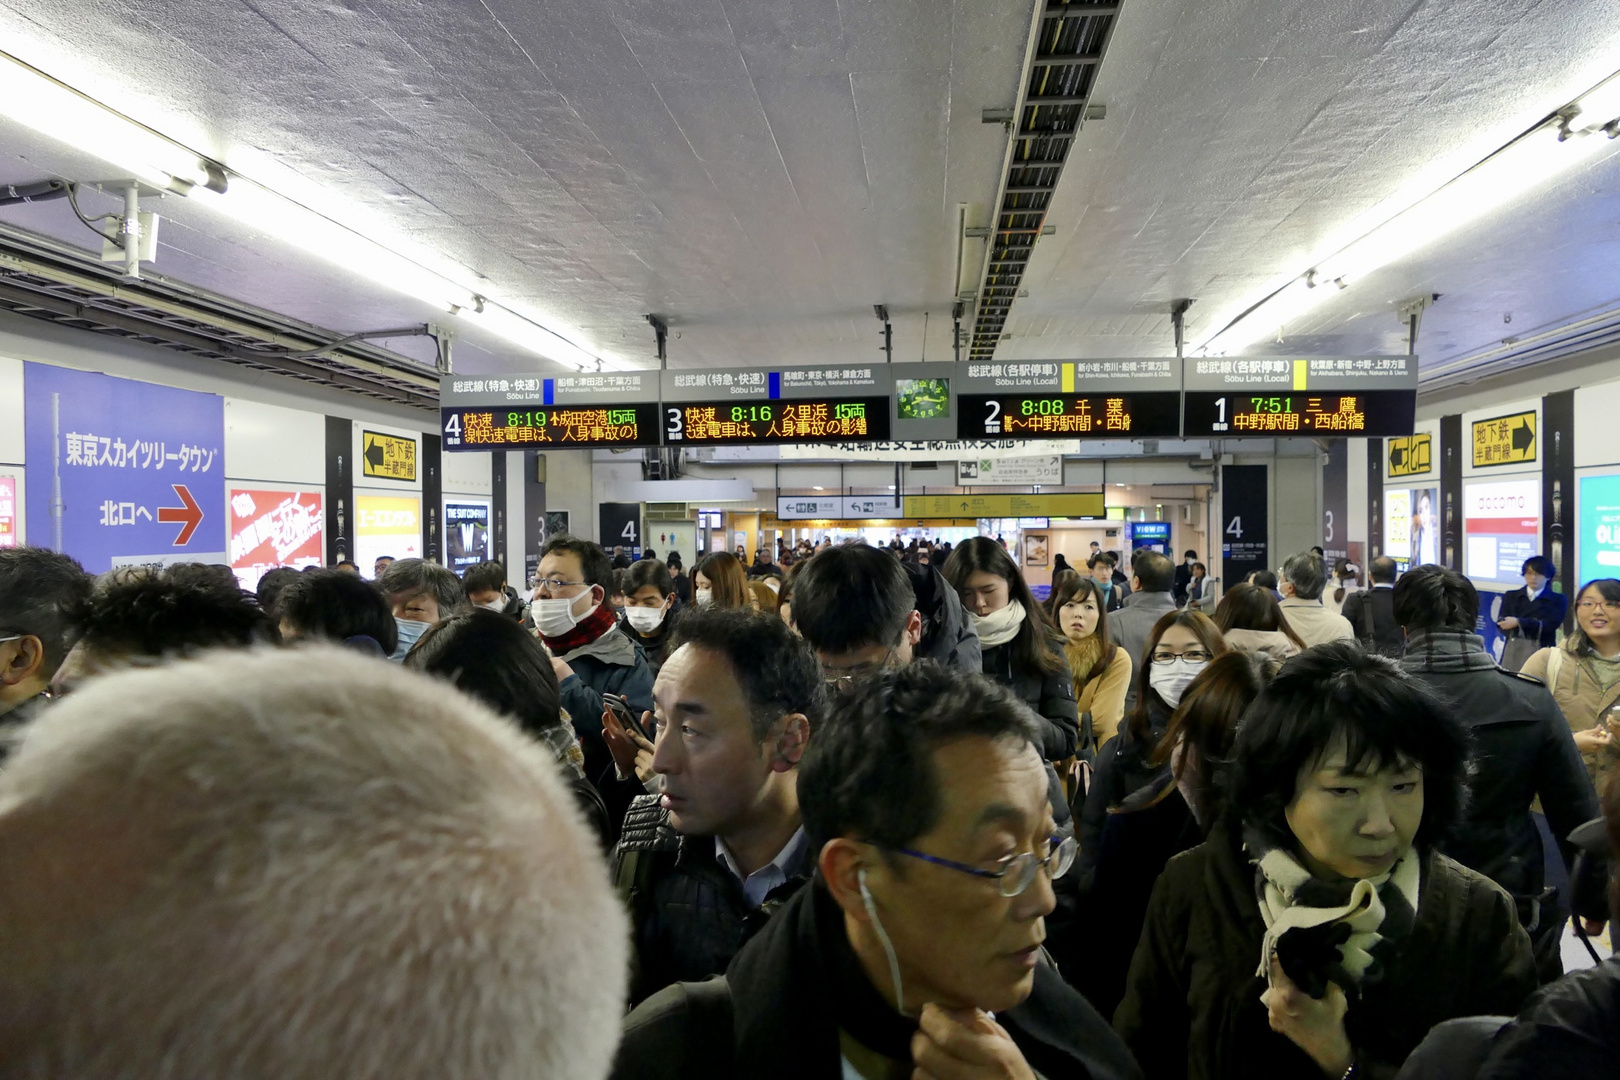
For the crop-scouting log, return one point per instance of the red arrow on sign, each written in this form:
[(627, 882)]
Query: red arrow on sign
[(189, 516)]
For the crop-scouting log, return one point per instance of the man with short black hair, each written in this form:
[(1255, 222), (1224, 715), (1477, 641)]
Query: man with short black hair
[(736, 703), (915, 951), (1523, 750), (420, 594), (591, 655), (860, 608), (1131, 626), (486, 587), (1371, 612), (41, 594), (380, 567), (341, 608), (1304, 577), (1184, 576)]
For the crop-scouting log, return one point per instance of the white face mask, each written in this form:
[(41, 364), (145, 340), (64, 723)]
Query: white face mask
[(497, 606), (554, 618), (1171, 680), (644, 620), (703, 597)]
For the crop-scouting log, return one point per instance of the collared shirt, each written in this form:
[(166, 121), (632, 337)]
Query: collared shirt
[(758, 885)]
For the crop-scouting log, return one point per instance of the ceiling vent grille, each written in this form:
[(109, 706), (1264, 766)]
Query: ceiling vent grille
[(1068, 43)]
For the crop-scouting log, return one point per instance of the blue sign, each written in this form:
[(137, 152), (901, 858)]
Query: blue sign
[(121, 471), (1599, 529)]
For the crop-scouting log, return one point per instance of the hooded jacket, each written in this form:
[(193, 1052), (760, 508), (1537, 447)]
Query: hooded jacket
[(612, 664), (948, 637)]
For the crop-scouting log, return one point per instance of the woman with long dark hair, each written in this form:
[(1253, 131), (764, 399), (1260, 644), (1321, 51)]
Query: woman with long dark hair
[(719, 580), (1021, 649), (1252, 620)]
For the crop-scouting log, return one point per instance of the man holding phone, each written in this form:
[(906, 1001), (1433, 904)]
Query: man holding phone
[(736, 703)]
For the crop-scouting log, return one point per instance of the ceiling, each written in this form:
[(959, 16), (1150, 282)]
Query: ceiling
[(761, 172)]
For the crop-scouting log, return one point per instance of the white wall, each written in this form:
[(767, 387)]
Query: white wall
[(1597, 411), (274, 445), (569, 486), (11, 411), (466, 474)]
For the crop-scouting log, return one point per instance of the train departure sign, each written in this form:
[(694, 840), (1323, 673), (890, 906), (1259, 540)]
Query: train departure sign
[(755, 406), (534, 412), (1096, 399), (1272, 396)]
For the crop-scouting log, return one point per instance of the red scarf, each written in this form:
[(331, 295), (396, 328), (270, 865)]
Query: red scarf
[(585, 631)]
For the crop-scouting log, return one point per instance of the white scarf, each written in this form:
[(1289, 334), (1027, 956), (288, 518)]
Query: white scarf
[(998, 627), (1281, 879)]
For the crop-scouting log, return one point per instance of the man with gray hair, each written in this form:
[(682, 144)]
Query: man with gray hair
[(1304, 577), (41, 593), (420, 593), (273, 865)]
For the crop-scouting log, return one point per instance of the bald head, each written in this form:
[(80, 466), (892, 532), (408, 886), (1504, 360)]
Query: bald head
[(297, 864)]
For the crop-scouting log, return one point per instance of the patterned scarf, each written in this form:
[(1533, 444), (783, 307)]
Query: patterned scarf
[(1446, 651), (1342, 932), (564, 745), (587, 630)]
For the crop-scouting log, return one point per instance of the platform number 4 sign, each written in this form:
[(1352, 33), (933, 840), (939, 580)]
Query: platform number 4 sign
[(619, 525), (1234, 528)]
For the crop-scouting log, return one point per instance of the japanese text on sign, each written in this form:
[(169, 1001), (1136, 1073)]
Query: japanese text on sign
[(1343, 414), (1505, 440), (92, 450), (556, 425), (390, 457), (779, 421), (1410, 456)]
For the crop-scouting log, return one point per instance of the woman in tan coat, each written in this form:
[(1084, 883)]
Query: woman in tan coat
[(1584, 676), (1102, 670)]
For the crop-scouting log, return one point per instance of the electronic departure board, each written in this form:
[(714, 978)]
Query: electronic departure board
[(1067, 399), (1144, 415), (829, 419), (1351, 397), (533, 412)]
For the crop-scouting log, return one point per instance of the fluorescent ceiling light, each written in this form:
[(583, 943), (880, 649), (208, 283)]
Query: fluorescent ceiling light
[(1577, 133), (52, 108)]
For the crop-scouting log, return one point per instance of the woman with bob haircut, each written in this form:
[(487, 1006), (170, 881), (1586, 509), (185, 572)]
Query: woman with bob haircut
[(1317, 932), (1178, 649), (1021, 649), (1252, 620)]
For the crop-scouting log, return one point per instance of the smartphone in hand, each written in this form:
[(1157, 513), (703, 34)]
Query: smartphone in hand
[(626, 715)]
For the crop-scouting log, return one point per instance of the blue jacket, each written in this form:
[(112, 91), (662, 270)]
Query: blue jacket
[(612, 664)]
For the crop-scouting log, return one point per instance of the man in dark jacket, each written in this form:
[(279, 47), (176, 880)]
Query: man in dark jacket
[(589, 652), (916, 946), (1371, 614), (1523, 749), (1184, 576), (486, 587), (702, 865), (41, 593)]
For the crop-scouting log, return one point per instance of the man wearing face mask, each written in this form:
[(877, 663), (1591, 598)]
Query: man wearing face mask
[(1184, 576), (420, 594), (591, 655), (486, 587), (650, 607), (915, 949)]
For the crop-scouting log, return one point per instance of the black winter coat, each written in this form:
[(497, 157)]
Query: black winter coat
[(1049, 694), (1569, 1031), (947, 632), (1121, 770), (689, 911), (1539, 619), (1371, 613), (1192, 1007)]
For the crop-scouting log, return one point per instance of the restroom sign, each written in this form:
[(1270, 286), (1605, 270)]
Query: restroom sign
[(1505, 440), (390, 457), (1411, 456)]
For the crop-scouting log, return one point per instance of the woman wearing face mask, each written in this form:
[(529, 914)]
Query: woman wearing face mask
[(1531, 616), (718, 580), (1584, 676), (650, 607), (1021, 649), (1180, 646), (1317, 932), (1102, 670)]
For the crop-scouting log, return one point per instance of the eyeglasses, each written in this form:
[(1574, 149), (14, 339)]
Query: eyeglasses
[(552, 584), (1018, 872), (841, 678), (1589, 606), (1196, 656)]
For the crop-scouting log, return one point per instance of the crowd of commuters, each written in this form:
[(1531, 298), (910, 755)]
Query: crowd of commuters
[(846, 811)]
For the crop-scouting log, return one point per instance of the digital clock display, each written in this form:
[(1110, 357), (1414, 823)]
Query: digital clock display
[(530, 426), (1234, 413), (1142, 415), (785, 420)]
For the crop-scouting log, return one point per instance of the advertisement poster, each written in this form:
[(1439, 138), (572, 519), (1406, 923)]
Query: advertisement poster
[(386, 525), (466, 529), (140, 469), (1398, 524), (8, 511), (274, 528), (1501, 529), (1411, 530), (1599, 527)]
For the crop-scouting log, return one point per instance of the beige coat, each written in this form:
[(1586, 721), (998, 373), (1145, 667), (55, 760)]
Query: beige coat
[(1315, 624), (1274, 643), (1103, 696), (1581, 697)]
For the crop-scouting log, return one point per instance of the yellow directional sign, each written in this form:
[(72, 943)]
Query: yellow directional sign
[(1505, 440), (391, 457), (1004, 506), (1411, 456)]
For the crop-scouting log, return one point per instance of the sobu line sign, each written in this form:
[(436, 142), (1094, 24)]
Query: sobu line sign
[(390, 457)]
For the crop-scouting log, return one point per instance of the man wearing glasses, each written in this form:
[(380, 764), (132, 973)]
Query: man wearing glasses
[(917, 946), (41, 593)]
